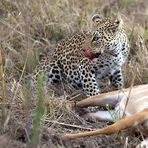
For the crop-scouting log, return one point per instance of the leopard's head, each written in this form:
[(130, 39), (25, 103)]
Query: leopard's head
[(105, 33)]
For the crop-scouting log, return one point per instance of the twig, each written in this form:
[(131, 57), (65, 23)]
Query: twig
[(3, 91), (65, 124)]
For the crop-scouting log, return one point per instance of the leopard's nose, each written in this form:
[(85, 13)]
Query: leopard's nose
[(94, 44)]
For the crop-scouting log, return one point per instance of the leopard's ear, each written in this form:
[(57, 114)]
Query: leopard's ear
[(96, 19), (116, 25), (118, 22)]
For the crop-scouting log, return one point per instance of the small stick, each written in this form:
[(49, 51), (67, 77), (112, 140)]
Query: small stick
[(65, 124), (3, 90)]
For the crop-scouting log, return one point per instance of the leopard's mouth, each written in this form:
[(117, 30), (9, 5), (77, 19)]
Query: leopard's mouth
[(90, 54), (100, 50)]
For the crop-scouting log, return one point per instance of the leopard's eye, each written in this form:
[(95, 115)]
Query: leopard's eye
[(96, 38), (114, 30)]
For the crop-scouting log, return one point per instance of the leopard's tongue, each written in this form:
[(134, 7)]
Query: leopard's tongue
[(88, 54)]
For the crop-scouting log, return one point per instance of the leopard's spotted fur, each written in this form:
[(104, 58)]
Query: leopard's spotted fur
[(68, 62)]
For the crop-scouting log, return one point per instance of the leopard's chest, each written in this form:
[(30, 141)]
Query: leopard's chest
[(105, 66)]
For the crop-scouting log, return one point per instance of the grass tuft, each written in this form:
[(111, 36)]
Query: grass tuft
[(37, 115)]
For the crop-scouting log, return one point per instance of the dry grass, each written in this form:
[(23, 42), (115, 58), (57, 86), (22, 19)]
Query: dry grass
[(29, 28)]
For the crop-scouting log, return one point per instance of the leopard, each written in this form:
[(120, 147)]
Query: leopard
[(106, 42)]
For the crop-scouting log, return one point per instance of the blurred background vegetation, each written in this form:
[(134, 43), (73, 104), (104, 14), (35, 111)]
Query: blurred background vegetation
[(30, 27)]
